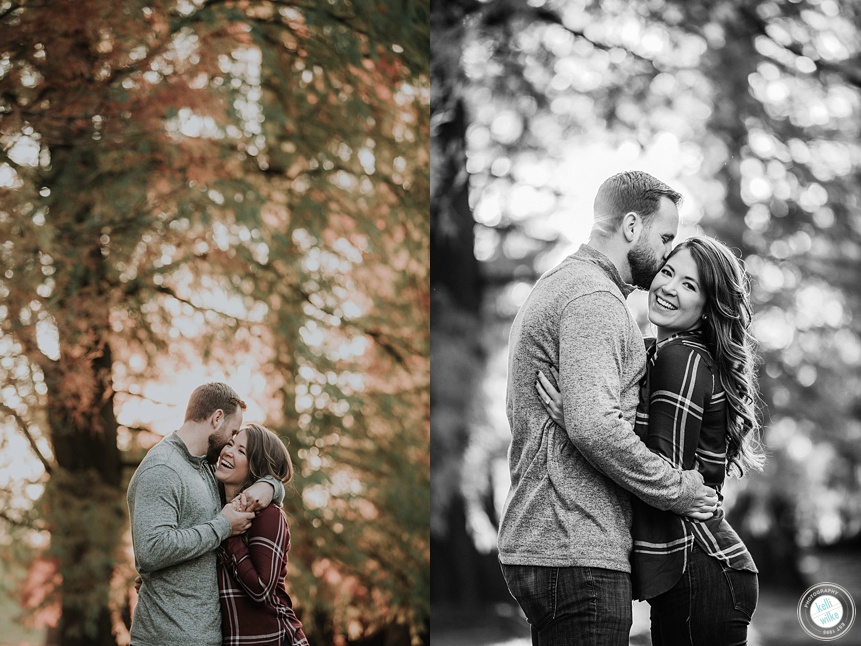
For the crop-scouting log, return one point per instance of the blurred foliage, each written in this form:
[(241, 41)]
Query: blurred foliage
[(191, 182), (755, 107)]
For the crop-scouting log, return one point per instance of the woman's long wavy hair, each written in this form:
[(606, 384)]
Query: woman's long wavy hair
[(726, 323), (267, 456)]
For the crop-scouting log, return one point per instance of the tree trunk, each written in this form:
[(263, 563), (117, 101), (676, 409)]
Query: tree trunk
[(86, 506), (454, 265), (456, 291)]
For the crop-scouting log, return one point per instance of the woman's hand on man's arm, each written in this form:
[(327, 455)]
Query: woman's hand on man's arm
[(550, 398)]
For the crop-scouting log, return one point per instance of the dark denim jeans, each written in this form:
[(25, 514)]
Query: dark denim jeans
[(569, 606), (711, 605)]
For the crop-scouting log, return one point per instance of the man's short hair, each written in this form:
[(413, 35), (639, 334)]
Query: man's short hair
[(629, 191), (208, 398)]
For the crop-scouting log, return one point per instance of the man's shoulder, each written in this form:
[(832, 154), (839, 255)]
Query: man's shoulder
[(157, 471), (163, 451), (163, 455), (578, 277), (575, 287)]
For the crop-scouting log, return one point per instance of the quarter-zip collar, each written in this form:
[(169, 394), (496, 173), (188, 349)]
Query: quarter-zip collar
[(590, 254), (197, 460)]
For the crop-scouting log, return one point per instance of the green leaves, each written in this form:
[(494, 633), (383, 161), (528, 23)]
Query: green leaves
[(214, 182)]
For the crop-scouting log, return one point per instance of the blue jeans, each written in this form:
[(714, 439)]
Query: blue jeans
[(569, 606), (711, 605)]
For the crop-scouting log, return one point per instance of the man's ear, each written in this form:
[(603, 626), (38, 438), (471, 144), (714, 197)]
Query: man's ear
[(632, 225), (216, 417)]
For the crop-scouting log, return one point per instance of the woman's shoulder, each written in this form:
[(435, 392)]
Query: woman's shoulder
[(683, 351), (270, 516)]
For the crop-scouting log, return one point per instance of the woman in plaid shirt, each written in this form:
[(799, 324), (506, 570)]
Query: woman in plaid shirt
[(252, 568), (697, 410)]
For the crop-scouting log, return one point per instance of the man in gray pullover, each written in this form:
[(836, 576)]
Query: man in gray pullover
[(177, 522), (564, 536)]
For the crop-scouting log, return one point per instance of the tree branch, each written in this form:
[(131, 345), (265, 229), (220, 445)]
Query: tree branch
[(138, 429), (548, 16), (170, 292), (159, 48), (377, 335), (22, 426), (17, 522), (850, 75), (13, 6), (4, 156), (384, 341), (139, 395), (345, 21)]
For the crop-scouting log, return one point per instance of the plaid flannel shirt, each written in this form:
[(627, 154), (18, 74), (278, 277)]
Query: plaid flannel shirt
[(682, 417), (252, 570)]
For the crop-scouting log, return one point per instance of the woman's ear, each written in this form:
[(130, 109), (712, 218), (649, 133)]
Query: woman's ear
[(632, 225)]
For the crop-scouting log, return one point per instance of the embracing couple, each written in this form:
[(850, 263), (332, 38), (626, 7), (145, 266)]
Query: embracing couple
[(620, 448), (210, 549)]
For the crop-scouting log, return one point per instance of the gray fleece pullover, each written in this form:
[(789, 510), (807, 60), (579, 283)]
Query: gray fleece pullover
[(568, 504), (176, 521)]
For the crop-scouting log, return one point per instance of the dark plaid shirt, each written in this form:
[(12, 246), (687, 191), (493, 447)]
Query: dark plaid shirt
[(252, 569), (682, 417)]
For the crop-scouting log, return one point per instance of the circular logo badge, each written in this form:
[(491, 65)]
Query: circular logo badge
[(826, 611)]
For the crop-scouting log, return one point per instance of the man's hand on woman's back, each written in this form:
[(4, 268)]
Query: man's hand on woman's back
[(705, 502)]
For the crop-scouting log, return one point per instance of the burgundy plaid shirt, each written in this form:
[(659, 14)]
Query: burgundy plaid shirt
[(682, 417), (252, 570)]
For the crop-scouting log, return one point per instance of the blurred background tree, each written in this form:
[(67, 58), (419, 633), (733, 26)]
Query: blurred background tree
[(751, 109), (216, 188)]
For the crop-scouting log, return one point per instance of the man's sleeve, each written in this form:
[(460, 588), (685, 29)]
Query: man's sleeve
[(278, 496), (592, 352), (158, 542)]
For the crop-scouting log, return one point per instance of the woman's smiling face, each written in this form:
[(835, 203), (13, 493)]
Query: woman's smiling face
[(233, 461), (676, 299)]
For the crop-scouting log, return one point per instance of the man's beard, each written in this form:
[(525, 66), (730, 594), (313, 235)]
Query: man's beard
[(213, 450), (644, 266)]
